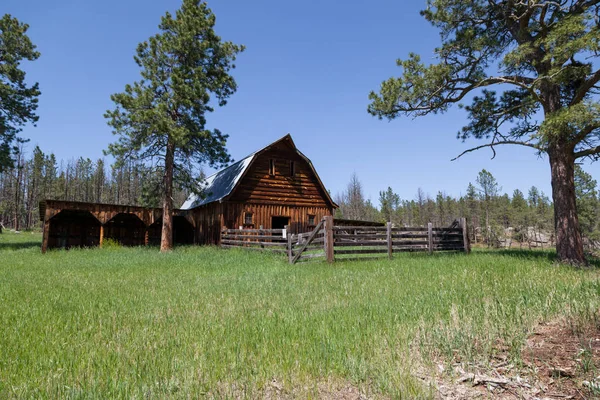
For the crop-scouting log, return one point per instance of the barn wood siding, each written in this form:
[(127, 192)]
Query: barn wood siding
[(259, 187), (208, 220), (262, 214)]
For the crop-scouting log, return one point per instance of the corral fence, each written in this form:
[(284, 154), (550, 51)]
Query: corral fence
[(274, 240), (329, 241)]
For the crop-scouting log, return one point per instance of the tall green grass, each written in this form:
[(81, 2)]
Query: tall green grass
[(130, 322)]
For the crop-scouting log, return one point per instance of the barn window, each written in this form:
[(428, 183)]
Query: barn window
[(272, 167), (311, 220), (248, 218), (292, 168)]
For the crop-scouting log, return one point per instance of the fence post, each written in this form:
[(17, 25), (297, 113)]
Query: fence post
[(430, 237), (289, 244), (329, 254), (223, 232), (465, 232), (389, 239)]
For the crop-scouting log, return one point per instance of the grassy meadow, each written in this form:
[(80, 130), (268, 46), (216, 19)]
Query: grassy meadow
[(132, 323)]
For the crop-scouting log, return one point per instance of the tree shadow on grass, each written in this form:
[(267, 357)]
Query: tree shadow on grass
[(18, 245), (527, 254)]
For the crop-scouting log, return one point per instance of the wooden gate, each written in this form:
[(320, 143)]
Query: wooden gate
[(307, 246), (344, 242)]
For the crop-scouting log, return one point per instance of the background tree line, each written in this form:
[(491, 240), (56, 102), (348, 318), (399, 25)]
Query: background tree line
[(41, 176), (494, 218)]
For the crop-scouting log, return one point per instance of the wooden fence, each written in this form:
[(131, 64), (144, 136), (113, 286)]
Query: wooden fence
[(358, 242), (330, 241), (274, 240)]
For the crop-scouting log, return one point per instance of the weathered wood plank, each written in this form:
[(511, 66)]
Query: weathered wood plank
[(367, 258), (413, 229), (254, 237), (459, 247), (465, 232), (312, 255), (361, 228), (226, 246), (410, 236), (389, 239), (362, 251), (350, 244), (329, 238), (360, 236), (430, 239), (409, 248), (410, 242), (248, 243), (253, 230)]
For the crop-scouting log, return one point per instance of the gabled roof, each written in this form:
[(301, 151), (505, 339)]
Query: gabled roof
[(220, 185)]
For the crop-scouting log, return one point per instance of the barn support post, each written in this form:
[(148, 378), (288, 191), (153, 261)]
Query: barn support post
[(101, 235), (146, 235), (430, 237), (329, 253), (465, 232), (389, 239)]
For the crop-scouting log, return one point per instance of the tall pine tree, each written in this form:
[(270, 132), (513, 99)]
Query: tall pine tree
[(162, 117), (18, 101), (530, 71)]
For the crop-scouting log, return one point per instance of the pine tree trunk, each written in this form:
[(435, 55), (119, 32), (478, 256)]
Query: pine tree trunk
[(569, 246), (166, 242)]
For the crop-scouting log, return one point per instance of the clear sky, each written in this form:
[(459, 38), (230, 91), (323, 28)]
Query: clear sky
[(307, 70)]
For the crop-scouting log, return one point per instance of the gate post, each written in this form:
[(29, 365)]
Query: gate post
[(289, 244), (430, 237), (465, 232), (329, 254), (389, 239)]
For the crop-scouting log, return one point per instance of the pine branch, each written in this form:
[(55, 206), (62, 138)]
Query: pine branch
[(588, 152), (585, 87), (491, 145)]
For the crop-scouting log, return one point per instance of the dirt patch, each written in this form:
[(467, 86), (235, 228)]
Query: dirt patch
[(560, 361), (565, 359)]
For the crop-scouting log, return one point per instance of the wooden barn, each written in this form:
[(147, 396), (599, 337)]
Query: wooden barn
[(271, 188)]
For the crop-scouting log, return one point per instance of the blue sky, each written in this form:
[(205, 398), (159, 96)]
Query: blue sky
[(307, 70)]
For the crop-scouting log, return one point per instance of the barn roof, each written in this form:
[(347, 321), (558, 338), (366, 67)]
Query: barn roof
[(221, 184)]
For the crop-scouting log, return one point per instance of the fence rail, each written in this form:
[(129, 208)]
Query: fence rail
[(255, 239), (331, 242)]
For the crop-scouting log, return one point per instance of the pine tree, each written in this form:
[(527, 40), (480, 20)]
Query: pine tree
[(18, 102), (162, 118), (529, 70), (488, 190)]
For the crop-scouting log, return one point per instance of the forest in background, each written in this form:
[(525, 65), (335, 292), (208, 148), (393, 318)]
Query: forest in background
[(495, 218), (522, 216), (41, 176)]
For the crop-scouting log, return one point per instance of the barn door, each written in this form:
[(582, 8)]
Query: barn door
[(279, 222)]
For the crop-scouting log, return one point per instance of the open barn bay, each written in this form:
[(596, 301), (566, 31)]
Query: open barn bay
[(202, 321)]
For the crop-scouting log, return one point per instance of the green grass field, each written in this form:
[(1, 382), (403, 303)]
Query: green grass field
[(132, 323)]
